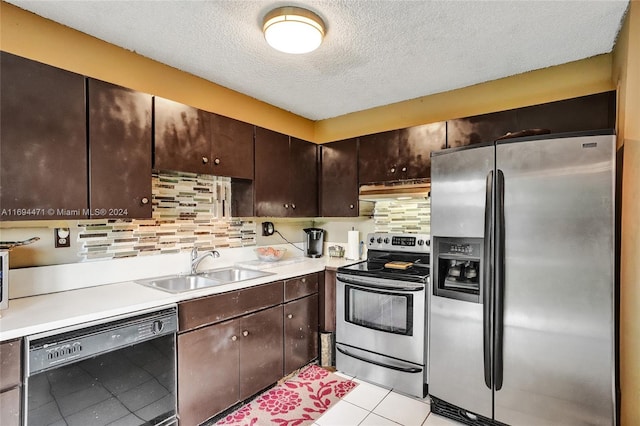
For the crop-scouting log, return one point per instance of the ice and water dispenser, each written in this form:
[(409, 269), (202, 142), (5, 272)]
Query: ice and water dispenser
[(458, 268)]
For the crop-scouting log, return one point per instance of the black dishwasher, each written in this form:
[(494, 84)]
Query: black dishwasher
[(120, 372)]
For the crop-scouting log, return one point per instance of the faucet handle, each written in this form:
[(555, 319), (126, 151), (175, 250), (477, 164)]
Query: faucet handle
[(194, 253)]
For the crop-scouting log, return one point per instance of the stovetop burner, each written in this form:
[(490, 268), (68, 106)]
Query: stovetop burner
[(409, 251)]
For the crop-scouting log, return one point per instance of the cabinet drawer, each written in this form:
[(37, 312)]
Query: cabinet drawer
[(219, 307), (298, 287), (10, 371)]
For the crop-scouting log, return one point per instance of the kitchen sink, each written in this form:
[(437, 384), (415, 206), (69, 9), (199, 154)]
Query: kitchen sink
[(214, 277), (234, 274), (179, 283)]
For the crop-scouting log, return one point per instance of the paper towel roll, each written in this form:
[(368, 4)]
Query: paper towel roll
[(353, 245)]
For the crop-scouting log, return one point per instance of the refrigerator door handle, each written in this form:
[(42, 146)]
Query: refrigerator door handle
[(499, 281), (488, 280)]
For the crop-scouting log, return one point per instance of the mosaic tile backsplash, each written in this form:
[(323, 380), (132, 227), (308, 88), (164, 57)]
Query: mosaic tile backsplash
[(403, 216), (188, 210)]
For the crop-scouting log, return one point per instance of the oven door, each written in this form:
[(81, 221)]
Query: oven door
[(382, 316)]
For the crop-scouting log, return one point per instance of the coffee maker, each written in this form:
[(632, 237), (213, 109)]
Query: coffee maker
[(314, 241)]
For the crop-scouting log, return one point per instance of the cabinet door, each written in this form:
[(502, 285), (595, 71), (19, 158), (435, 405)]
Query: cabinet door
[(339, 179), (10, 364), (480, 128), (591, 112), (260, 350), (301, 332), (43, 149), (10, 407), (271, 183), (378, 157), (208, 371), (120, 154), (182, 137), (303, 178), (232, 147), (416, 144)]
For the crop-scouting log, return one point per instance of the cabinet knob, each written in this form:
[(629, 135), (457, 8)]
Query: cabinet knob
[(404, 169), (393, 170), (144, 201), (290, 316), (234, 338), (205, 160), (216, 161), (351, 206), (304, 280), (286, 206), (293, 206), (245, 333)]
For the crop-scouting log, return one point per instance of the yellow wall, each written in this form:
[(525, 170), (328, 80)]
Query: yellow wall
[(626, 75)]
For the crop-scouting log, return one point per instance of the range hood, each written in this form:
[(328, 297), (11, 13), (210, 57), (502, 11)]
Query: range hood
[(396, 190)]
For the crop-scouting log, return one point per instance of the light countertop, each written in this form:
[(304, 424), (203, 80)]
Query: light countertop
[(47, 312)]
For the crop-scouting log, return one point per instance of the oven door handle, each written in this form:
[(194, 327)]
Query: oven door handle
[(398, 288), (381, 364)]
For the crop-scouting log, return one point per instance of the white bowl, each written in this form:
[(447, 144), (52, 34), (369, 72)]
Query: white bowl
[(270, 254)]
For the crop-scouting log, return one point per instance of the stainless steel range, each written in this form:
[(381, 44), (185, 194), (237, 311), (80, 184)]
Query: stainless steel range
[(381, 313)]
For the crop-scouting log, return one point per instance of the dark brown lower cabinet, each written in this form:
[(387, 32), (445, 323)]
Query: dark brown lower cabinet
[(222, 364), (10, 407), (300, 332), (10, 382), (260, 350)]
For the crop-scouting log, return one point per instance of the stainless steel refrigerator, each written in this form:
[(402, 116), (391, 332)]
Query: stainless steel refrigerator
[(522, 299)]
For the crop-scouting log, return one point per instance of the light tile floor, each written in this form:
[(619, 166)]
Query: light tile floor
[(371, 405)]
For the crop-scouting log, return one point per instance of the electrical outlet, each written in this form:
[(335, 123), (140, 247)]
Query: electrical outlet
[(267, 229), (61, 237)]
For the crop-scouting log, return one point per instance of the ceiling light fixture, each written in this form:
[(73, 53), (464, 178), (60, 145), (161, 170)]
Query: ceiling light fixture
[(292, 29)]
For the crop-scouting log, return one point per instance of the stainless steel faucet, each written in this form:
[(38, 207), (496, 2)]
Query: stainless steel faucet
[(195, 259)]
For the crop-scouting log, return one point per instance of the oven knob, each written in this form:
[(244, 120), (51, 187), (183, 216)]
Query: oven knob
[(372, 240), (386, 241), (379, 240), (420, 242), (428, 242)]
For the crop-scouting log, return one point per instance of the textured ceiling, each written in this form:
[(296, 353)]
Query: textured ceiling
[(375, 52)]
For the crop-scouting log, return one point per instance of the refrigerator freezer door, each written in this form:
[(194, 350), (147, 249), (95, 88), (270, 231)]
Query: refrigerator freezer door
[(458, 188), (456, 356), (559, 283)]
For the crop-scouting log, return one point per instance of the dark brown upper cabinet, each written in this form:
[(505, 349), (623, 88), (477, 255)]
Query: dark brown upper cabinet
[(416, 145), (303, 178), (43, 149), (120, 151), (285, 175), (339, 179), (232, 152), (188, 139), (378, 157), (480, 128), (592, 112), (399, 154), (182, 137)]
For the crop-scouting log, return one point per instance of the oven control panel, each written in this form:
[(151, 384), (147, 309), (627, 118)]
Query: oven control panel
[(417, 243)]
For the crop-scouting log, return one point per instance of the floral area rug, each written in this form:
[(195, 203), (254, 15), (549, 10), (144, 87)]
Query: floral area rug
[(298, 401)]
